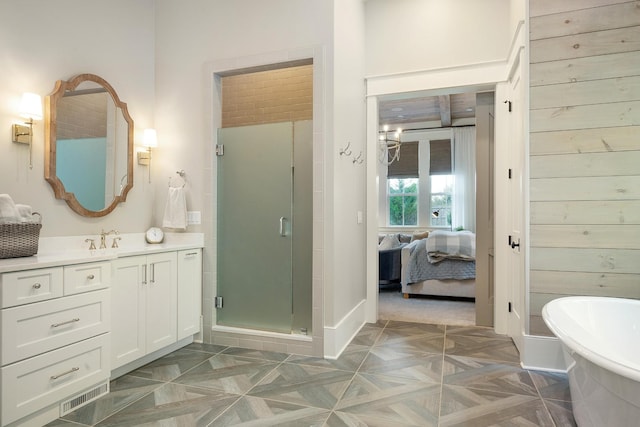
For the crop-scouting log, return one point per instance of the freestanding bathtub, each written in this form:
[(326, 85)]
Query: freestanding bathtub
[(601, 339)]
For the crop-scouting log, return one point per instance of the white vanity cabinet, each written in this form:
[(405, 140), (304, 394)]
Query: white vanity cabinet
[(144, 310), (55, 326), (71, 321), (189, 292)]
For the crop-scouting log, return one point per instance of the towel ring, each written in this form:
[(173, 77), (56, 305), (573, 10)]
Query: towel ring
[(181, 174)]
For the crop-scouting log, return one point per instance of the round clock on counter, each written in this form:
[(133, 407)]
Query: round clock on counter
[(154, 235)]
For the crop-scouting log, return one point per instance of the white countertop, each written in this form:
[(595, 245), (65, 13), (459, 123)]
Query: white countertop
[(56, 251)]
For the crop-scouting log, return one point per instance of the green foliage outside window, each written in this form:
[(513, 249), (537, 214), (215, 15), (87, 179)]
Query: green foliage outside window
[(403, 201)]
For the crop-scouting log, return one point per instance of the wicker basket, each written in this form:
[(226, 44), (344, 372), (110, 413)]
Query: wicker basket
[(19, 239)]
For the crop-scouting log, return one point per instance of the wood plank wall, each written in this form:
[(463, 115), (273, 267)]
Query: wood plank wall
[(584, 151)]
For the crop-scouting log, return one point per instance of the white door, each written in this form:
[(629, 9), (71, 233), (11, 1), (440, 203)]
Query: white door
[(127, 310), (516, 241), (162, 296), (189, 292)]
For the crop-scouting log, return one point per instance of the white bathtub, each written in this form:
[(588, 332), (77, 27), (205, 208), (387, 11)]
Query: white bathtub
[(601, 338)]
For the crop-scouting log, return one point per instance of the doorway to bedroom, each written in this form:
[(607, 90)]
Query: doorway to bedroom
[(436, 197)]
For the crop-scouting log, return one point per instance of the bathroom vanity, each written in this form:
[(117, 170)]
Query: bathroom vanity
[(72, 318)]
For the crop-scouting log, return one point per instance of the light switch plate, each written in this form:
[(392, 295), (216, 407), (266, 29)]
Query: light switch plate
[(194, 217)]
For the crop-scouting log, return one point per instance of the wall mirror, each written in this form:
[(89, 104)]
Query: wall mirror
[(88, 145)]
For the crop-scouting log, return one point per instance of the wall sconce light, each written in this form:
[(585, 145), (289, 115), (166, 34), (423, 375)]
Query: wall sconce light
[(30, 108), (149, 140)]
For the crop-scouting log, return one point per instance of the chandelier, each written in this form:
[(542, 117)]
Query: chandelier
[(389, 146)]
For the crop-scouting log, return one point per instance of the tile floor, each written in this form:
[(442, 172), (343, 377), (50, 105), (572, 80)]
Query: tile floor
[(392, 374)]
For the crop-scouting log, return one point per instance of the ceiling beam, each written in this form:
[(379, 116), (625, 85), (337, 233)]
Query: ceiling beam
[(445, 110)]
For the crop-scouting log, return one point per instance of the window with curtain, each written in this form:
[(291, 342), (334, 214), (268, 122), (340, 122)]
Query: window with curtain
[(441, 180), (445, 195), (464, 179), (402, 187)]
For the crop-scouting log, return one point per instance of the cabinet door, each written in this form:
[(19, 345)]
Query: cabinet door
[(128, 310), (162, 294), (189, 292)]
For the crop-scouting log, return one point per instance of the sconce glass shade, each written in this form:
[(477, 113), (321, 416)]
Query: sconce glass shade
[(31, 106), (150, 138)]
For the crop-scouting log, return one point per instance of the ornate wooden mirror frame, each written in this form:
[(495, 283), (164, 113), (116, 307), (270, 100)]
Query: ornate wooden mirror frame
[(52, 101)]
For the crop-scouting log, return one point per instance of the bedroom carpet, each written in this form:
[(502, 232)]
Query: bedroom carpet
[(392, 306)]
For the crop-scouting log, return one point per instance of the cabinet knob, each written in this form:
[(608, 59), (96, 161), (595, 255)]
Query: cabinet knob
[(91, 277), (37, 286)]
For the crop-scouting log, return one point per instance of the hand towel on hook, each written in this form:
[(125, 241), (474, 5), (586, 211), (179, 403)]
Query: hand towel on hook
[(175, 211)]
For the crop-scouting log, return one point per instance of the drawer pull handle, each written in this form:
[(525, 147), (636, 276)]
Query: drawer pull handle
[(37, 286), (91, 277), (55, 325), (70, 371), (192, 254)]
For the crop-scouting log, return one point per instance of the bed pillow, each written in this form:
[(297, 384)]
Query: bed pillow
[(419, 236), (390, 241), (404, 238)]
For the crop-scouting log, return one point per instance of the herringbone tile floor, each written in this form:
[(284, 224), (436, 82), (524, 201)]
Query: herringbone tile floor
[(392, 374)]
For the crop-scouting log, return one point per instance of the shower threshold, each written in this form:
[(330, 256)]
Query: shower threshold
[(257, 332)]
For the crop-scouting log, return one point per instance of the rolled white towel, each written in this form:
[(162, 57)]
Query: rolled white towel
[(25, 212), (8, 211)]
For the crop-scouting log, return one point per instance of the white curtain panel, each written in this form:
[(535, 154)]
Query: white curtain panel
[(463, 211)]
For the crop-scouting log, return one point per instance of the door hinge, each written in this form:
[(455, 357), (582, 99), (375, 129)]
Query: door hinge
[(510, 173), (219, 150), (509, 307), (217, 302)]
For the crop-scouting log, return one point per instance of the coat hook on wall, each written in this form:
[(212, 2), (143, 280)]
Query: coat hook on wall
[(358, 159), (346, 151)]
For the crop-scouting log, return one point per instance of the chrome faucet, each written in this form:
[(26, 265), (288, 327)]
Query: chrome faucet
[(103, 238)]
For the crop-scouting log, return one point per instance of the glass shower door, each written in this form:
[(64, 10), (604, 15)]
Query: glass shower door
[(254, 227)]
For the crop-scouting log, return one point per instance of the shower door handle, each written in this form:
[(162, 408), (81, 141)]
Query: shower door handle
[(283, 228)]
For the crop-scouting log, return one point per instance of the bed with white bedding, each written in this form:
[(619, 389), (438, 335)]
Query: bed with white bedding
[(443, 264)]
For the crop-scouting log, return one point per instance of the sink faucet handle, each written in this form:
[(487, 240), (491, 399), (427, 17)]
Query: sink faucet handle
[(115, 242), (103, 237), (92, 246)]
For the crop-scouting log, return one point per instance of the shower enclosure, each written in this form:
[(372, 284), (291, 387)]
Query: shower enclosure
[(264, 228)]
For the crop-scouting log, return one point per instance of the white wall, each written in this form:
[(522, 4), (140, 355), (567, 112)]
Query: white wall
[(191, 35), (42, 42), (415, 35), (196, 37), (346, 250), (439, 46), (518, 11)]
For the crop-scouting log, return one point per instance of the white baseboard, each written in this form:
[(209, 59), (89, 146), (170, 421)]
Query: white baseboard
[(543, 354), (336, 338)]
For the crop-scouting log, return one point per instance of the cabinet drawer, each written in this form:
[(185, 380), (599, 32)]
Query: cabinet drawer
[(86, 277), (36, 328), (23, 287), (36, 383)]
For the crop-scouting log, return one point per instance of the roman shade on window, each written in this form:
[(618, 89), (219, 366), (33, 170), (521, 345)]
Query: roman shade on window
[(440, 157), (407, 166)]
